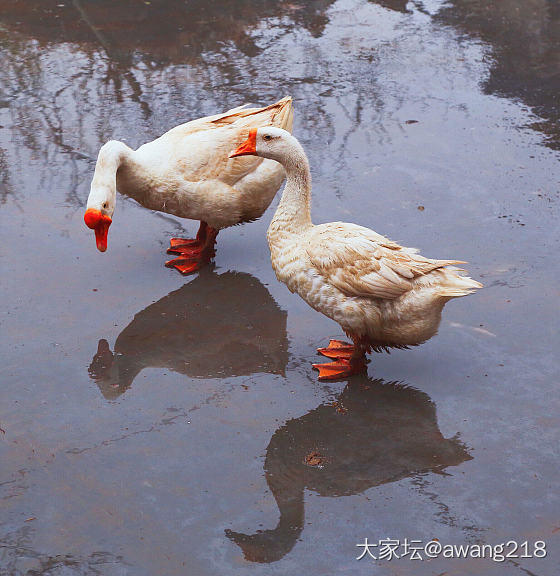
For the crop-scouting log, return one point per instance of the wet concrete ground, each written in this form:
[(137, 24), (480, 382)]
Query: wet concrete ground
[(155, 424)]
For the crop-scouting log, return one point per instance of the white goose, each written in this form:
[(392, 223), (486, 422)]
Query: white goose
[(187, 173), (381, 294)]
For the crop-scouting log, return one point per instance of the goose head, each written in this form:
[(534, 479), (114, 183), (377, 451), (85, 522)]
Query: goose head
[(269, 142), (98, 215)]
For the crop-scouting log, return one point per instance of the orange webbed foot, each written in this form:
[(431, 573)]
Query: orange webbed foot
[(185, 246), (193, 253), (184, 264), (340, 368), (337, 349)]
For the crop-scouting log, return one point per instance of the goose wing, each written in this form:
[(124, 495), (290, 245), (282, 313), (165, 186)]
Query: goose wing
[(200, 148), (360, 262)]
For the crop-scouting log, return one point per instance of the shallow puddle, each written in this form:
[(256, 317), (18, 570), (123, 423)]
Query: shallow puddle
[(157, 424)]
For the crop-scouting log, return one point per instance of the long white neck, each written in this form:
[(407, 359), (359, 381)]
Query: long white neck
[(294, 211), (103, 191)]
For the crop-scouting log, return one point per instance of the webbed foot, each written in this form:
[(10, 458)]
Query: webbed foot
[(193, 253), (337, 349), (341, 368), (185, 246)]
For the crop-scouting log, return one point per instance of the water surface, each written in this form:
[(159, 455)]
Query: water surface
[(155, 424)]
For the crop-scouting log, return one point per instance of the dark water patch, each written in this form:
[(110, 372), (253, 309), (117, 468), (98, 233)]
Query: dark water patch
[(525, 41), (161, 31)]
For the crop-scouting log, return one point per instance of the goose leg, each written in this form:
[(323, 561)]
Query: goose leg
[(193, 257), (349, 359), (189, 245)]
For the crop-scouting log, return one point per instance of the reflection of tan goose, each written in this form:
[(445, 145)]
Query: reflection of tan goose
[(375, 433), (187, 173), (213, 327)]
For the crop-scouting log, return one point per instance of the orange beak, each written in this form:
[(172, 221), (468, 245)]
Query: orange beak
[(248, 148), (99, 222)]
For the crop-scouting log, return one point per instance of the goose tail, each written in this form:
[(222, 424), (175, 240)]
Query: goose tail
[(280, 114), (456, 285), (284, 114)]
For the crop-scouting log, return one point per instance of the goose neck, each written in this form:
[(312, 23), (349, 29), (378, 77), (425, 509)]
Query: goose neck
[(112, 156), (295, 205)]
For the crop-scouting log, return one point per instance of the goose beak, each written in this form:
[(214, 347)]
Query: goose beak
[(99, 222), (248, 148)]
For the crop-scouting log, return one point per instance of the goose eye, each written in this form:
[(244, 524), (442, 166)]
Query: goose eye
[(104, 204), (267, 137)]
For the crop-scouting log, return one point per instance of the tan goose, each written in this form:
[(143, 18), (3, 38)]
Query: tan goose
[(383, 295), (187, 173)]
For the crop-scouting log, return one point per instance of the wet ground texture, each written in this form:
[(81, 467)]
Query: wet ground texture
[(156, 424)]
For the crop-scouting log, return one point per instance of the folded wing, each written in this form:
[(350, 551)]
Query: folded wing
[(360, 262)]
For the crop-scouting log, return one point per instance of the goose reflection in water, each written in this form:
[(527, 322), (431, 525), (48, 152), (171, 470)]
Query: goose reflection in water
[(217, 326), (373, 434)]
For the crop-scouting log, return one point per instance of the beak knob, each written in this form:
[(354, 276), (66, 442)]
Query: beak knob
[(100, 223), (92, 217)]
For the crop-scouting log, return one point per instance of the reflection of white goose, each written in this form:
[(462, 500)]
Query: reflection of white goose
[(383, 295), (187, 173), (213, 327), (375, 433)]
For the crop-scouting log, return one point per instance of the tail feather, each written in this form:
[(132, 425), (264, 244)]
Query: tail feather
[(442, 263), (454, 292), (457, 286), (278, 114), (284, 117)]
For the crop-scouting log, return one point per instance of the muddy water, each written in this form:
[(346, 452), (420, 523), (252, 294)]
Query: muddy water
[(155, 424)]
